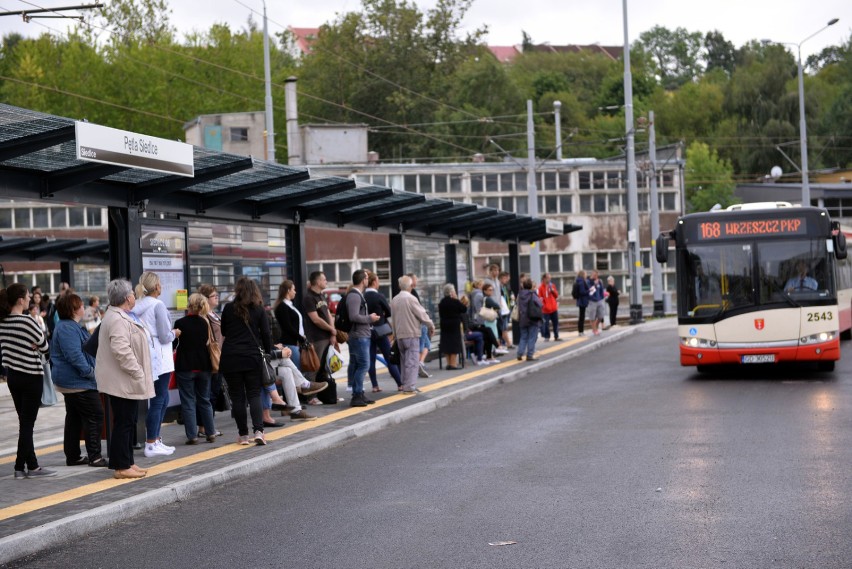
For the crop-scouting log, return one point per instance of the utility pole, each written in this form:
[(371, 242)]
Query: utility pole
[(557, 120), (532, 198), (656, 268), (633, 256), (270, 130)]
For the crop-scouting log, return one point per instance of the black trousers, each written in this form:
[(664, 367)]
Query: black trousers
[(83, 411), (242, 386), (581, 321), (613, 310), (26, 394), (125, 412)]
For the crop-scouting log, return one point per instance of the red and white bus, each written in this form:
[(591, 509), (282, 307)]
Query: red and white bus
[(760, 283)]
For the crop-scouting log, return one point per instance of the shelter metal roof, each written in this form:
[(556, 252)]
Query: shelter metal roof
[(54, 250), (38, 161)]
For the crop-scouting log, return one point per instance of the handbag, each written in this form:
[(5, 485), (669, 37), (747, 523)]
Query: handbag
[(334, 360), (516, 313), (383, 329), (394, 354), (267, 372), (48, 392), (504, 306), (488, 314), (213, 349), (309, 358), (342, 337)]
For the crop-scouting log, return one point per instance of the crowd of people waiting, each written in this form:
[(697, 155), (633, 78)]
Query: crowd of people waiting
[(130, 351)]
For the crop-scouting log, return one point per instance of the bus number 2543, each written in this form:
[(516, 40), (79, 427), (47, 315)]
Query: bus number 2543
[(817, 316)]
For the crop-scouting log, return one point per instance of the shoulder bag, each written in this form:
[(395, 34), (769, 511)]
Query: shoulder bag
[(213, 349), (488, 314), (268, 374), (309, 358)]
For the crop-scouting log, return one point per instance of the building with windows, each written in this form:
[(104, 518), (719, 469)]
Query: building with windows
[(587, 192)]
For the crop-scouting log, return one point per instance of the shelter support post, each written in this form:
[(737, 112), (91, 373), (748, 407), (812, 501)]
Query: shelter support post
[(297, 266), (451, 274), (515, 281), (125, 234), (397, 260)]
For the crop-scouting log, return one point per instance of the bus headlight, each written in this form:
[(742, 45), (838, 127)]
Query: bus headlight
[(693, 342), (818, 338)]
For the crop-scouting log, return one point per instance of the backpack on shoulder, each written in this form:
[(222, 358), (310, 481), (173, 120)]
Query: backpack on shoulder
[(341, 318), (575, 292)]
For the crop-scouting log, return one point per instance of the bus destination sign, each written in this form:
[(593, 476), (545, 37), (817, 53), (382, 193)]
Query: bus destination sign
[(751, 228)]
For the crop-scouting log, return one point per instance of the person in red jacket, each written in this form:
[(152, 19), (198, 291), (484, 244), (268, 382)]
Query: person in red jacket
[(550, 308)]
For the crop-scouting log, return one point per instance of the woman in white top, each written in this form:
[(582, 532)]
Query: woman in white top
[(154, 314)]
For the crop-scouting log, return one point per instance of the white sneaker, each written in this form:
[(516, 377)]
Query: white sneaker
[(482, 362), (493, 361), (153, 449), (501, 351), (164, 445), (422, 372)]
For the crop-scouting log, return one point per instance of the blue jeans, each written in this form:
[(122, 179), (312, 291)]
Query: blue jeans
[(526, 344), (194, 387), (359, 363), (157, 406), (545, 325), (478, 342), (382, 343)]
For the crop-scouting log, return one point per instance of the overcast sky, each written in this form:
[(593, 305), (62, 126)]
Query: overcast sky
[(546, 21)]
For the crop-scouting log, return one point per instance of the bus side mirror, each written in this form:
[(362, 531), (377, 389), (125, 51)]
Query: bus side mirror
[(662, 248), (839, 245)]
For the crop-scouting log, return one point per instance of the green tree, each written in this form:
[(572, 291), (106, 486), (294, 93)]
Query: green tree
[(676, 54), (719, 53), (389, 63), (709, 179)]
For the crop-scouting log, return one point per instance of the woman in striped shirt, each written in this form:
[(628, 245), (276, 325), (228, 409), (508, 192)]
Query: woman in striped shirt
[(22, 340)]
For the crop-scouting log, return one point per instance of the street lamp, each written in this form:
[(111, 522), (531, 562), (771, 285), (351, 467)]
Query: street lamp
[(803, 133)]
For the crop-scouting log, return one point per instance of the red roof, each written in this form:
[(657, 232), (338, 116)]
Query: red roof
[(504, 53), (303, 38)]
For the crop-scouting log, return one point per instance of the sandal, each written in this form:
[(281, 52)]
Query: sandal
[(377, 390)]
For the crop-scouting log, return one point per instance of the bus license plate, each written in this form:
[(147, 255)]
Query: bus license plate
[(759, 359)]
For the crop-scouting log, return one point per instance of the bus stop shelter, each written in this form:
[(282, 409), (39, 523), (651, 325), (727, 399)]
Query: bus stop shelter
[(38, 161)]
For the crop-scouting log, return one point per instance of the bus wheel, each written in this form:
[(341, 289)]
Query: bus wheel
[(846, 334), (703, 369), (825, 366)]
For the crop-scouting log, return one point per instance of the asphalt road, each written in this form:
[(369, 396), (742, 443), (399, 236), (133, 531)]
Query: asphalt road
[(619, 458)]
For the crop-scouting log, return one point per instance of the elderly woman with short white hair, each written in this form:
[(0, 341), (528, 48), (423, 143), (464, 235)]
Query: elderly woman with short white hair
[(408, 316), (123, 372)]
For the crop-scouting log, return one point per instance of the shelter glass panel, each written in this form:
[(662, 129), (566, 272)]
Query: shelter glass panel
[(40, 217), (425, 258), (22, 218), (58, 217)]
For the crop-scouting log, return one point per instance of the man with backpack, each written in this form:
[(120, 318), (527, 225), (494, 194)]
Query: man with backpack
[(352, 317)]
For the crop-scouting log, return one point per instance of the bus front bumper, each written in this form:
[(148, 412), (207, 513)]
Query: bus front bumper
[(826, 351)]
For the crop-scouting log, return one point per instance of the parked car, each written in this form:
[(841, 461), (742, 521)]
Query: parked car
[(333, 296)]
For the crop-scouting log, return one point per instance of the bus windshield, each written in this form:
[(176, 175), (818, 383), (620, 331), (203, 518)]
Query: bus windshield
[(724, 276)]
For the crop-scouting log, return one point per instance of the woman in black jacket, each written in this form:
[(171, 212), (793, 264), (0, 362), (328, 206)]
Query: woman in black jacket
[(193, 369), (380, 335), (289, 321), (246, 331)]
